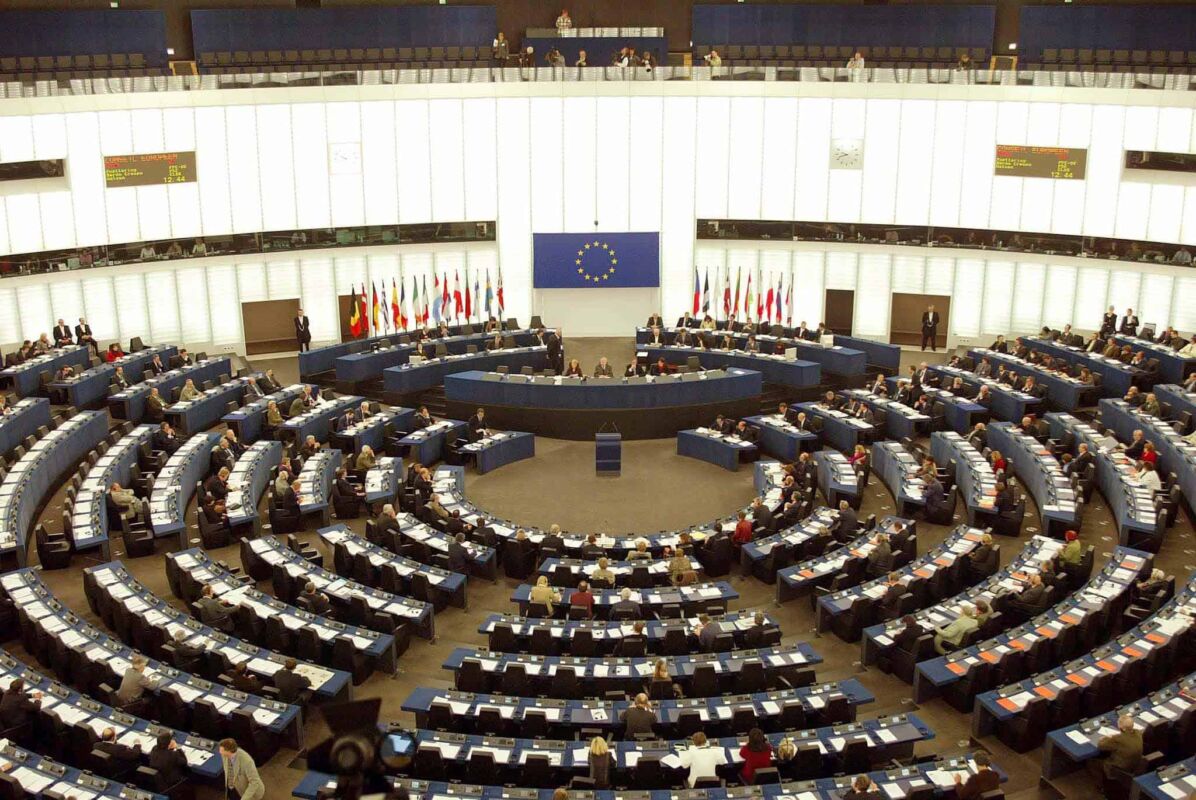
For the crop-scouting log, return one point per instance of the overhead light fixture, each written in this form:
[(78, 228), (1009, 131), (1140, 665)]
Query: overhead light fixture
[(1013, 45)]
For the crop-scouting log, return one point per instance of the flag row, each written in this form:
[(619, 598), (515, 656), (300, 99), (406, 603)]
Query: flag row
[(766, 301), (373, 314)]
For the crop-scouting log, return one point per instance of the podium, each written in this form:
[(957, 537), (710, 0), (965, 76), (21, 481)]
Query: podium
[(608, 453)]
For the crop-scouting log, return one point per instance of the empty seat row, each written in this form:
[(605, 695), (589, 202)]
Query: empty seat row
[(802, 52)]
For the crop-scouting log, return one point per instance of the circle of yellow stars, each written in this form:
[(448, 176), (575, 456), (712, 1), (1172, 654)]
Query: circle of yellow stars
[(600, 276)]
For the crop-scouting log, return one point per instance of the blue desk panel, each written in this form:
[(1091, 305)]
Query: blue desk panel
[(501, 449), (89, 519), (1173, 367), (1006, 403), (418, 377), (1117, 377), (838, 430), (130, 403), (1175, 453), (1175, 396), (717, 386), (249, 421), (720, 451), (836, 360), (1063, 391), (797, 374), (1039, 472), (23, 420)]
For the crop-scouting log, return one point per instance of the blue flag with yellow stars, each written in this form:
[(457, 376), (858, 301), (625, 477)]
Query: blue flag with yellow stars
[(595, 260)]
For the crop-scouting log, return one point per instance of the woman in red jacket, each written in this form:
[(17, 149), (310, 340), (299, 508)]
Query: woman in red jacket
[(756, 754)]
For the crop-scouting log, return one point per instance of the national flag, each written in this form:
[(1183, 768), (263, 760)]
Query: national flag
[(759, 304), (727, 294), (377, 307), (789, 303), (396, 310), (697, 291), (747, 299), (738, 275), (489, 294), (445, 297), (502, 303), (355, 317), (436, 301), (477, 294), (780, 283), (458, 300), (365, 313), (768, 302), (469, 296), (416, 318), (706, 292)]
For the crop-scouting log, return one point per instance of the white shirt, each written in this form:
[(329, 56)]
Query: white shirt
[(702, 762), (1188, 349), (1150, 479)]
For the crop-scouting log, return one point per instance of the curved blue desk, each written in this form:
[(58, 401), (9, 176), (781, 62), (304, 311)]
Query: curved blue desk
[(792, 373), (409, 378), (573, 408)]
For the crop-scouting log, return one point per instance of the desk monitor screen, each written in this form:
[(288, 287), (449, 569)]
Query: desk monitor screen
[(149, 169), (1023, 161)]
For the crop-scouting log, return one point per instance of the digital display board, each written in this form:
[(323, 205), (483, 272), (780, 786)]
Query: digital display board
[(1023, 161), (149, 169)]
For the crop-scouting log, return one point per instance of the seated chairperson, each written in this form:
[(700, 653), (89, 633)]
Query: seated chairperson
[(1073, 552), (573, 370), (701, 760), (661, 367), (949, 637), (655, 337), (16, 707), (169, 761), (422, 419), (625, 607), (604, 369), (122, 757), (114, 352), (544, 594), (744, 432), (755, 754), (684, 338), (634, 370), (639, 718), (655, 321), (708, 323), (365, 459), (213, 612)]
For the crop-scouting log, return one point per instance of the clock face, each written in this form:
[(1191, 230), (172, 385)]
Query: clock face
[(847, 153)]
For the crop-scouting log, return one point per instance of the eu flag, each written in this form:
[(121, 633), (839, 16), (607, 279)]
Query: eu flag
[(595, 260)]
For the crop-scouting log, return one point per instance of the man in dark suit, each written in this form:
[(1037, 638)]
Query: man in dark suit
[(83, 336), (1079, 464), (421, 419), (930, 328), (269, 383), (553, 540), (124, 758), (890, 602), (62, 335), (936, 498), (761, 515), (655, 321), (168, 760), (849, 521), (458, 556), (984, 780), (477, 425), (903, 394), (625, 607), (978, 438), (745, 432), (482, 533), (287, 503), (314, 601), (556, 353), (907, 638), (1033, 388), (1032, 599), (16, 707), (290, 684), (302, 330), (164, 439), (1129, 323), (387, 523), (222, 456), (213, 612), (217, 485), (155, 366)]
